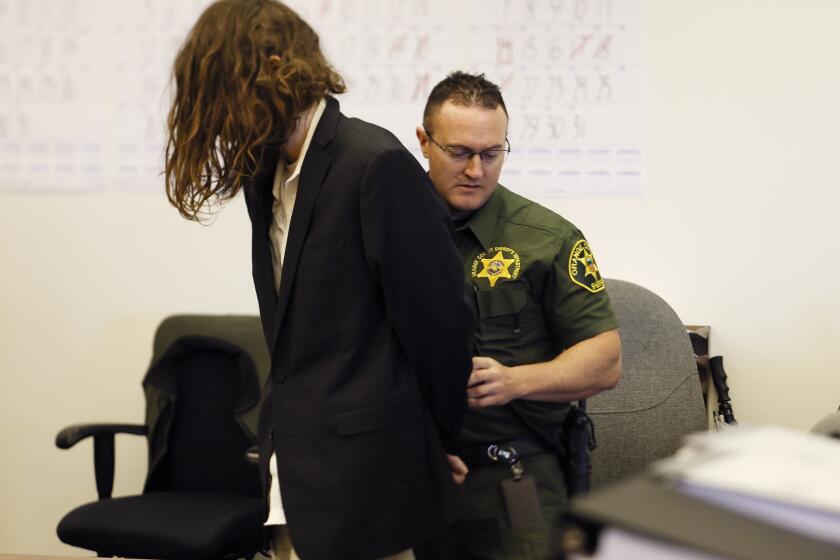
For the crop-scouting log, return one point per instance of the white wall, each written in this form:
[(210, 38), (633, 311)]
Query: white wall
[(733, 230), (742, 187), (86, 280)]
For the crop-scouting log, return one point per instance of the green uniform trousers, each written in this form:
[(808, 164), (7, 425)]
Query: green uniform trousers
[(483, 531)]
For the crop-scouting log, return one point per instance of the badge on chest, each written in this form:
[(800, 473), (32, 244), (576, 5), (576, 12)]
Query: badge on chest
[(495, 264)]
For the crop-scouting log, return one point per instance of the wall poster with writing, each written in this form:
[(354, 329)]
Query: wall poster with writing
[(85, 84)]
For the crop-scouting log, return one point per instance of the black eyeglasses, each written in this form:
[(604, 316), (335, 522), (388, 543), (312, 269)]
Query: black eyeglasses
[(463, 155)]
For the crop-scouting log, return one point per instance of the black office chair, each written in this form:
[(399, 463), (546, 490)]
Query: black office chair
[(201, 498)]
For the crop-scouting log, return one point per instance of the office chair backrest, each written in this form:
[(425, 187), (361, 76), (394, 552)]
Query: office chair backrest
[(658, 400), (242, 331), (198, 443), (207, 446)]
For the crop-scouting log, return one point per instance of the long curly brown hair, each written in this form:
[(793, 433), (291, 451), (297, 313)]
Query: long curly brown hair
[(246, 72)]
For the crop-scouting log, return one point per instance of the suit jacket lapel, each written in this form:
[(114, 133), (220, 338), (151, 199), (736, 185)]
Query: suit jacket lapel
[(263, 264), (315, 165)]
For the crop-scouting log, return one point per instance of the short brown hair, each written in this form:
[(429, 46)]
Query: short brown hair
[(461, 88), (246, 72)]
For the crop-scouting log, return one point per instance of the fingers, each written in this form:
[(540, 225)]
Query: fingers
[(477, 377), (459, 468), (489, 393), (483, 389), (457, 464), (480, 362), (493, 399), (487, 382), (484, 371)]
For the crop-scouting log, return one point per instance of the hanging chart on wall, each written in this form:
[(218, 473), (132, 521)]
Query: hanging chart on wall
[(85, 84)]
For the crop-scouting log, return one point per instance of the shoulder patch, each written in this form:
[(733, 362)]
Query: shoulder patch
[(582, 268)]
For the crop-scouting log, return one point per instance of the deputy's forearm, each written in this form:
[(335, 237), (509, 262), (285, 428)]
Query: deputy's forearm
[(583, 370)]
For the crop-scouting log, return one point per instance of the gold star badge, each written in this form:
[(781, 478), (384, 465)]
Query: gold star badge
[(496, 267)]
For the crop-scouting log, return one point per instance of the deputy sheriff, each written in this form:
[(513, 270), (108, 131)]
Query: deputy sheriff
[(545, 332)]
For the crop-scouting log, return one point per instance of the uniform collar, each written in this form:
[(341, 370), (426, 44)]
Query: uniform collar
[(483, 222)]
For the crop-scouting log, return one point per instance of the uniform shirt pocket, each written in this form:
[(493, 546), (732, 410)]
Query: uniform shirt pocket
[(497, 303), (500, 320)]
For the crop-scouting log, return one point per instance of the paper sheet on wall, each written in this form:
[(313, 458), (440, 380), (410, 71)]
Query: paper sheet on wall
[(84, 84)]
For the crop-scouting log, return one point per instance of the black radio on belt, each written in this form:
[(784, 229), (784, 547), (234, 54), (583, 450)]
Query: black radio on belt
[(577, 440)]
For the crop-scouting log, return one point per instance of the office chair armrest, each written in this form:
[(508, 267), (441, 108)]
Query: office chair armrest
[(103, 448), (71, 435)]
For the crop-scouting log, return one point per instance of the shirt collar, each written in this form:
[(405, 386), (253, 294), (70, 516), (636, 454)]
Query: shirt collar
[(483, 221), (319, 110)]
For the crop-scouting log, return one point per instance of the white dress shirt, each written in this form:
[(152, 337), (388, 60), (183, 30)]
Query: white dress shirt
[(285, 189)]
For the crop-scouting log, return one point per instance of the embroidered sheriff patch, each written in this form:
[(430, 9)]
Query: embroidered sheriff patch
[(582, 268), (503, 262)]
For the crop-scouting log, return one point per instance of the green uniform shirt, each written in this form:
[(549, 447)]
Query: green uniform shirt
[(536, 290)]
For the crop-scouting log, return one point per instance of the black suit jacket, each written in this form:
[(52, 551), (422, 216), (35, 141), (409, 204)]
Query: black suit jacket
[(369, 340)]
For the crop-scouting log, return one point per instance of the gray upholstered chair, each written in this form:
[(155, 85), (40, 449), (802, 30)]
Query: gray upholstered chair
[(828, 426), (658, 400)]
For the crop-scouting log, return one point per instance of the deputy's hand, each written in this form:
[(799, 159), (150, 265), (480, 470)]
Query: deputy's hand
[(490, 384), (459, 469)]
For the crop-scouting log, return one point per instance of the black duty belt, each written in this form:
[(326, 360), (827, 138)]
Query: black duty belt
[(488, 454)]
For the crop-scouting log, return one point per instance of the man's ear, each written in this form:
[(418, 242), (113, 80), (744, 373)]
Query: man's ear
[(423, 138)]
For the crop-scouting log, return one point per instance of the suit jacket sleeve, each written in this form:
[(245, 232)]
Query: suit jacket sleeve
[(408, 244)]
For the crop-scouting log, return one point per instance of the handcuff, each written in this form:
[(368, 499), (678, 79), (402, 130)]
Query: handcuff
[(508, 455)]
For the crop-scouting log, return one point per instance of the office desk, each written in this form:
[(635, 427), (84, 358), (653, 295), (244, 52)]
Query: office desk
[(646, 507)]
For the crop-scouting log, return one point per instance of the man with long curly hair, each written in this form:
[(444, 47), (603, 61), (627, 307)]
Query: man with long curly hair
[(359, 285)]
